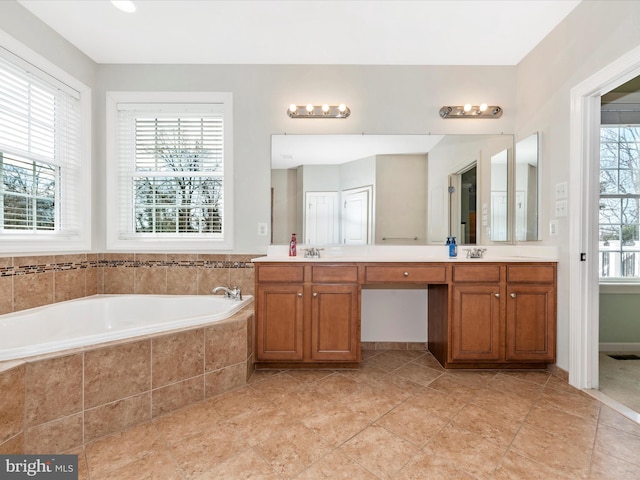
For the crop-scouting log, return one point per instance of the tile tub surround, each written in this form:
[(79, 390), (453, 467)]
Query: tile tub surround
[(34, 281), (56, 403)]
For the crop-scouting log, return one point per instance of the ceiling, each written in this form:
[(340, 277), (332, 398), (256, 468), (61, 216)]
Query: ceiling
[(342, 32)]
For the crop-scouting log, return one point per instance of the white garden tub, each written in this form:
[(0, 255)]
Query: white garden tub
[(104, 318)]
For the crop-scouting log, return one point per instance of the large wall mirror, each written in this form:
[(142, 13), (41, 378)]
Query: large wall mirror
[(390, 189)]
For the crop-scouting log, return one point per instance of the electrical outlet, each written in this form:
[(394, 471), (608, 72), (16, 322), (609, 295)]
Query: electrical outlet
[(262, 229), (553, 228)]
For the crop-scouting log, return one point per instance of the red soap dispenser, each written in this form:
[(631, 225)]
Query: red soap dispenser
[(293, 245)]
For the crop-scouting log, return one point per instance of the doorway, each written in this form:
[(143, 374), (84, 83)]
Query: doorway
[(463, 204), (357, 210), (321, 218), (584, 191), (619, 335)]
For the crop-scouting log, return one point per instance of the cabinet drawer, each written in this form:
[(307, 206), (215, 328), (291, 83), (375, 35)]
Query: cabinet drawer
[(531, 273), (281, 273), (334, 273), (476, 273), (409, 274)]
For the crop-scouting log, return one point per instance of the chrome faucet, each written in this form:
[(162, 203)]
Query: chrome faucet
[(475, 252), (233, 293), (312, 252)]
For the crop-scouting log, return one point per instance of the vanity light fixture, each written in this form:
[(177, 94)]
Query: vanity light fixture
[(471, 111), (318, 111)]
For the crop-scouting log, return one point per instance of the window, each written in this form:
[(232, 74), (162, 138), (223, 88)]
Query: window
[(170, 176), (619, 242), (43, 180)]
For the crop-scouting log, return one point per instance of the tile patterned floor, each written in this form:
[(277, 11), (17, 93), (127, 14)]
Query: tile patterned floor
[(400, 416), (620, 379)]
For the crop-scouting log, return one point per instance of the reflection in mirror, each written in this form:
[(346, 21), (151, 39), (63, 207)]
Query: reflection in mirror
[(378, 189), (499, 196), (526, 189)]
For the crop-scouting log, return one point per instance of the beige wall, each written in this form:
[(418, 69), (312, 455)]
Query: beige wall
[(593, 36), (383, 99)]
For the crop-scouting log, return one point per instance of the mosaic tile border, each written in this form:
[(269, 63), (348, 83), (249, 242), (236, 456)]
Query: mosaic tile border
[(13, 271)]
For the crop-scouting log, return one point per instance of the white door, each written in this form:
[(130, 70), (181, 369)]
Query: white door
[(356, 216), (499, 210), (521, 216), (321, 218)]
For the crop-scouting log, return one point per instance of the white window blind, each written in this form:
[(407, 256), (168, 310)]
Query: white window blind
[(169, 180), (40, 152)]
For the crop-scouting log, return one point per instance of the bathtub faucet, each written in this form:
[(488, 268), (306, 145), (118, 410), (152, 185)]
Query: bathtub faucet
[(233, 293)]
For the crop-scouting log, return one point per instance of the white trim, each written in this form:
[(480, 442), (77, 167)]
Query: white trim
[(583, 163), (619, 347)]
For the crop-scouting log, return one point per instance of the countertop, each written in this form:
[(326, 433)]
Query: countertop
[(407, 254)]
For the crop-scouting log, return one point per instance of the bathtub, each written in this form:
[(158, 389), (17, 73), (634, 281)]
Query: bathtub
[(104, 318)]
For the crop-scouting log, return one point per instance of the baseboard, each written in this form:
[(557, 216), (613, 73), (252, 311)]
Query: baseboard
[(394, 346), (619, 347)]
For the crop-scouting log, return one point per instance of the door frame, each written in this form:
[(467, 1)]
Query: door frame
[(455, 201), (584, 163)]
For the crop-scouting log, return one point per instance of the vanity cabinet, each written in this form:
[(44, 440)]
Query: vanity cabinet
[(501, 315), (279, 313), (530, 313), (480, 315), (307, 314)]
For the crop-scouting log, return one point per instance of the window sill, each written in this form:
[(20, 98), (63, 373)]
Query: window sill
[(168, 245)]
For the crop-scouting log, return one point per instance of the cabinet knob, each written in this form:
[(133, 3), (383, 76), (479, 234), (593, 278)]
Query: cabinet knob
[(513, 295), (497, 295), (406, 274), (299, 295), (315, 294)]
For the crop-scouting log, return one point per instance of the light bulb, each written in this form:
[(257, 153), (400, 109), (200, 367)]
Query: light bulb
[(309, 108), (467, 107), (293, 108), (483, 107), (325, 108), (342, 108)]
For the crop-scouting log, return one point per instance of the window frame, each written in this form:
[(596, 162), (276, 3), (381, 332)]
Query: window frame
[(56, 241), (116, 239), (617, 280)]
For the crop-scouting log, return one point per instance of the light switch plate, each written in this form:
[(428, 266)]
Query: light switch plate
[(262, 229), (561, 208), (553, 228), (562, 190)]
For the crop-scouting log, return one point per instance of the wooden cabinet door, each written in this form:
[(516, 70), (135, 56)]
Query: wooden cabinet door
[(475, 323), (531, 323), (279, 322), (335, 333)]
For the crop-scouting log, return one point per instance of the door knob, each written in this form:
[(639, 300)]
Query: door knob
[(406, 274), (299, 295), (315, 294), (497, 295), (513, 295)]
